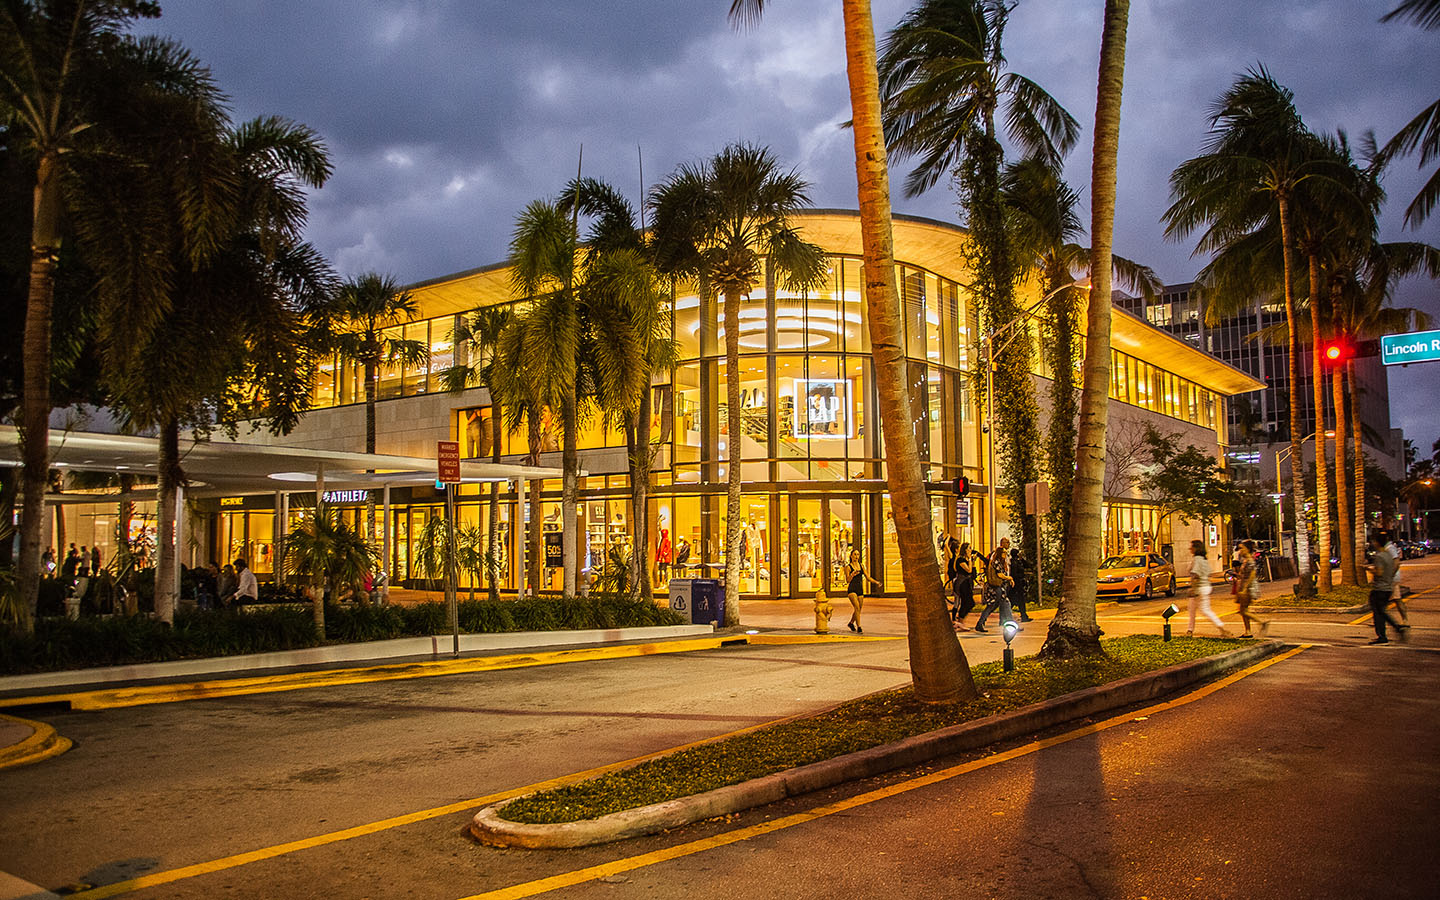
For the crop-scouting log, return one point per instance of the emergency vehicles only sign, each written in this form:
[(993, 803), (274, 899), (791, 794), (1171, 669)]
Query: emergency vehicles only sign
[(1420, 346)]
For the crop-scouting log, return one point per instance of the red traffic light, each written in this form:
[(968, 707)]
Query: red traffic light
[(1337, 351), (961, 485)]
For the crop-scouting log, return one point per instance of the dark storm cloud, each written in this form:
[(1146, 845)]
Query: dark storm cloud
[(446, 118)]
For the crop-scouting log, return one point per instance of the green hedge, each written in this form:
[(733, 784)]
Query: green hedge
[(59, 643)]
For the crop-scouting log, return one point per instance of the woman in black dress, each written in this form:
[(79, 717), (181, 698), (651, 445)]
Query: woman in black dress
[(960, 570), (855, 572)]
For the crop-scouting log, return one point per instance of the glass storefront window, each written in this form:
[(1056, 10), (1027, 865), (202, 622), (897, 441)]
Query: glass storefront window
[(857, 315), (752, 424), (687, 325)]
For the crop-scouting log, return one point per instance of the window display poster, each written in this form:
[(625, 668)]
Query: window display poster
[(823, 408)]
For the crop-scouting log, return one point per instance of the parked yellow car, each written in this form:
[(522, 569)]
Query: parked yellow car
[(1135, 575)]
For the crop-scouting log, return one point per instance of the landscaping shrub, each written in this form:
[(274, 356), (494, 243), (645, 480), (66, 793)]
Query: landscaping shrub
[(90, 641)]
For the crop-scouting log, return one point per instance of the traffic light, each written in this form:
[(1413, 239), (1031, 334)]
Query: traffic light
[(961, 485), (1337, 351)]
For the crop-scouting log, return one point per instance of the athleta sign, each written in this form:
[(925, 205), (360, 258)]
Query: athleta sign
[(346, 496), (1400, 349)]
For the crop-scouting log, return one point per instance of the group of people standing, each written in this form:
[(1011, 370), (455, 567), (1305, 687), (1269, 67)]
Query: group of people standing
[(1003, 575)]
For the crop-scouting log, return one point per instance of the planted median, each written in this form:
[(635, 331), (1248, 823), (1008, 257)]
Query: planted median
[(861, 724)]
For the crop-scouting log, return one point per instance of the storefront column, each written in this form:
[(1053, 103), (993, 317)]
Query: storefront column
[(319, 487), (181, 526), (282, 528), (520, 553), (385, 546)]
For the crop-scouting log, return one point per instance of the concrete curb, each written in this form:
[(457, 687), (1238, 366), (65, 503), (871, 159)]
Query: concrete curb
[(42, 744), (1330, 610), (489, 828), (434, 647)]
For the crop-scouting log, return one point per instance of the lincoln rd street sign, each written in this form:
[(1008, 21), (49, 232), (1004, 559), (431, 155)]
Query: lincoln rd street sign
[(1418, 346)]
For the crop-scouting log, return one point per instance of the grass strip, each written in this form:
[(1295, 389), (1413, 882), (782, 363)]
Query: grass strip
[(1341, 595), (859, 724)]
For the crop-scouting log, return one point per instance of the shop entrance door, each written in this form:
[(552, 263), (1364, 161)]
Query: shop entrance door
[(820, 532)]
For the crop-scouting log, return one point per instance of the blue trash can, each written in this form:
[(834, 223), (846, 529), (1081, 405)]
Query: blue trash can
[(700, 600), (707, 602)]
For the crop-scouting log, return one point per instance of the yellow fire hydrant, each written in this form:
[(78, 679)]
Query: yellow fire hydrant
[(822, 612)]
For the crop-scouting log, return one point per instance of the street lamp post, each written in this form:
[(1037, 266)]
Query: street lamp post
[(988, 343)]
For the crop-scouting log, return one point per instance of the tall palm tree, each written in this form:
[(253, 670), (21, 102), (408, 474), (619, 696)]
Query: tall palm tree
[(481, 331), (627, 338), (1041, 214), (236, 341), (1423, 131), (360, 321), (1074, 631), (713, 222), (1257, 153), (94, 108), (543, 251), (937, 664), (517, 396), (943, 81)]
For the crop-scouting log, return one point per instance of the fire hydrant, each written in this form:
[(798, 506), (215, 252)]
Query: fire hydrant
[(822, 612)]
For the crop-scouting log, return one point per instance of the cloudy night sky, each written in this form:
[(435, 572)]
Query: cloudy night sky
[(445, 118)]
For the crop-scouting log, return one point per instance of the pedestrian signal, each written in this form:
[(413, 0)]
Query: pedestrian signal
[(961, 485)]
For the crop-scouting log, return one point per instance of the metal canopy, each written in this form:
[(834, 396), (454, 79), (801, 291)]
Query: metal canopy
[(224, 468)]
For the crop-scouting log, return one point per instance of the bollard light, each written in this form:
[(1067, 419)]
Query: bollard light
[(1008, 629), (1170, 610)]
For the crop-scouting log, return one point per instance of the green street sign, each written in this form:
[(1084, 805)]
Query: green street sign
[(1418, 346)]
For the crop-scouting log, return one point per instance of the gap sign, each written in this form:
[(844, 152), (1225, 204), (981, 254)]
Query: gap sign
[(1419, 346)]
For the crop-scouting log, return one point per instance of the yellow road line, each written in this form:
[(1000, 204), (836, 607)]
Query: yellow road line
[(591, 873), (230, 862), (115, 698)]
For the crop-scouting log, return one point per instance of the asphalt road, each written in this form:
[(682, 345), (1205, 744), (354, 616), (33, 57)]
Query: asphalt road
[(1312, 778)]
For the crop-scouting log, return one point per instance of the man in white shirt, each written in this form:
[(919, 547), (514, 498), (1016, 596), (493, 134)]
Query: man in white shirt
[(249, 590)]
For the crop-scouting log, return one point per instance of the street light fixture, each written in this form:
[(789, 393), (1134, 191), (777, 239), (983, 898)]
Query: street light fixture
[(990, 351), (1008, 629)]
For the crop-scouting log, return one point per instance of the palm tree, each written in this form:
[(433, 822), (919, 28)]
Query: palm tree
[(360, 321), (1257, 154), (95, 109), (943, 81), (713, 222), (516, 396), (937, 664), (543, 251), (245, 305), (1423, 131), (1040, 211), (481, 331), (626, 339), (331, 554), (1074, 630)]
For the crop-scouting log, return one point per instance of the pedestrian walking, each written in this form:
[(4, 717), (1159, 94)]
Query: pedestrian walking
[(1019, 591), (71, 565), (997, 584), (1200, 588), (855, 573), (1394, 550), (95, 560), (1382, 580), (960, 569), (1247, 588)]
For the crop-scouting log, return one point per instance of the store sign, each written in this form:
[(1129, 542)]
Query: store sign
[(346, 496), (554, 549), (823, 408), (232, 501), (963, 513), (1401, 349)]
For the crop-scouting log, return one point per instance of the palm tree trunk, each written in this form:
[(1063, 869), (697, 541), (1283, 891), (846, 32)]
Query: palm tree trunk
[(937, 664), (35, 405), (534, 558), (1357, 476), (640, 490), (735, 431), (317, 603), (570, 492), (370, 375), (1322, 462), (1305, 586), (492, 537), (1346, 517), (1074, 631), (165, 514)]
